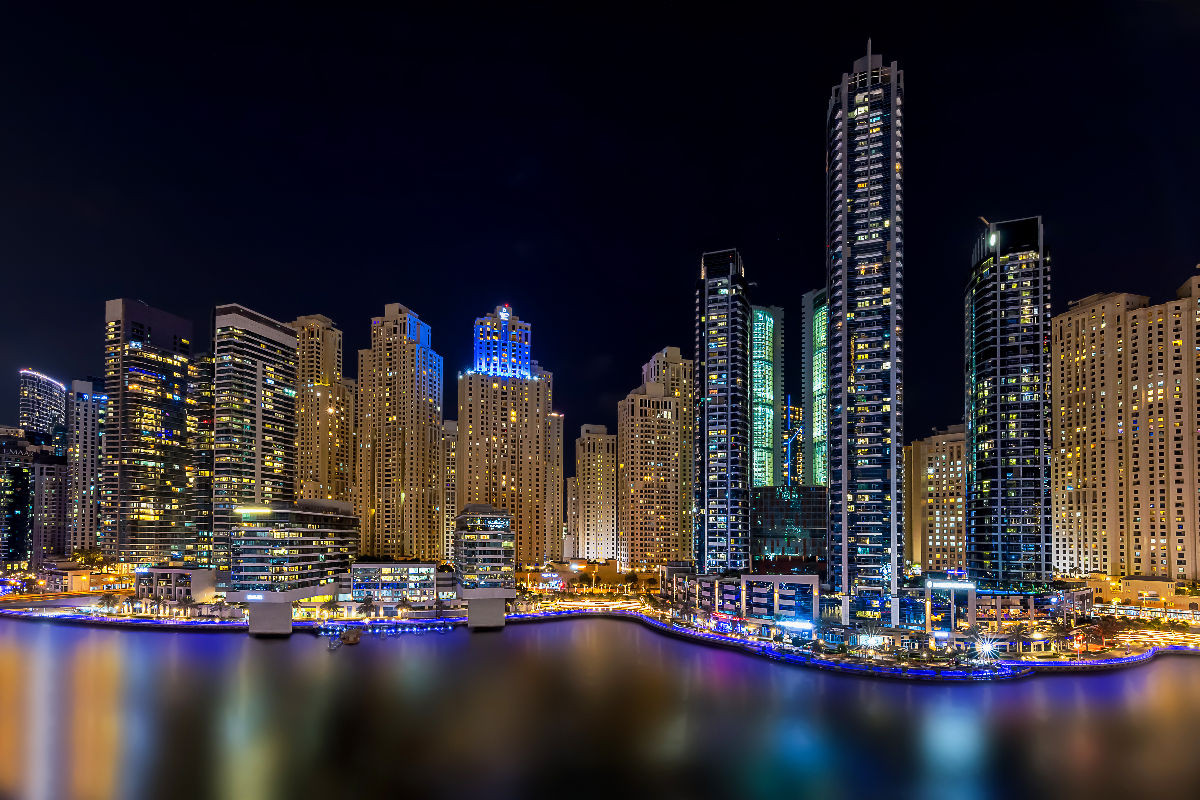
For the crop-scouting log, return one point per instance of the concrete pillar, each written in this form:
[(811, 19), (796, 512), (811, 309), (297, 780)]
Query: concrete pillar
[(845, 609), (971, 603), (485, 613), (928, 609)]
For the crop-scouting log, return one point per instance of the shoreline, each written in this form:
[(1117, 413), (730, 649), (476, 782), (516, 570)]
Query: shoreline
[(1004, 669)]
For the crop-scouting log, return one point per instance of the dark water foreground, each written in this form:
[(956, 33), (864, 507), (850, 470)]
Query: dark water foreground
[(576, 708)]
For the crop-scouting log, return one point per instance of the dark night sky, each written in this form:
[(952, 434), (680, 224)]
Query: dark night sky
[(574, 166)]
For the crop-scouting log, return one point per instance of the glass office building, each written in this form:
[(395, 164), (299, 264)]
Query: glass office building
[(283, 546), (766, 395), (42, 403), (814, 396), (787, 528), (1007, 406), (865, 357), (721, 377)]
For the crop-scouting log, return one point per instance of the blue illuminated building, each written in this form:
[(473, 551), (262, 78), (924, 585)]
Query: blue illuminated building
[(721, 377), (865, 358), (1007, 406), (502, 345)]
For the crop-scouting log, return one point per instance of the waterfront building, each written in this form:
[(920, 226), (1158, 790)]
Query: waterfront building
[(176, 584), (571, 548), (1007, 408), (791, 444), (87, 414), (553, 550), (935, 529), (51, 507), (398, 587), (814, 394), (669, 368), (721, 444), (650, 524), (325, 443), (254, 394), (449, 486), (401, 467), (484, 562), (864, 175), (201, 433), (766, 395), (787, 528), (503, 448), (298, 547), (33, 500), (42, 403), (1124, 472), (596, 474), (146, 456)]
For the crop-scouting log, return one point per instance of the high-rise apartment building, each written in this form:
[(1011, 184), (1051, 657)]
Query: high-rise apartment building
[(146, 357), (42, 403), (1126, 410), (935, 530), (766, 395), (325, 445), (651, 527), (674, 372), (571, 526), (401, 468), (814, 394), (450, 507), (721, 443), (864, 178), (596, 474), (51, 507), (87, 414), (503, 405), (554, 486), (254, 396), (201, 433), (791, 444), (1007, 408)]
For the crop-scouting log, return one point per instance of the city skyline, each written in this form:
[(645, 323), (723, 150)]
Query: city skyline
[(516, 248)]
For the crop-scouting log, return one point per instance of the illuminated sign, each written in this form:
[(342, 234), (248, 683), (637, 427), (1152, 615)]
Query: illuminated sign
[(949, 584), (254, 597)]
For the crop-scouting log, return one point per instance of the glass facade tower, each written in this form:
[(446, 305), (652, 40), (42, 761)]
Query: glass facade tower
[(722, 432), (1007, 408), (815, 395), (42, 406), (865, 251), (766, 394)]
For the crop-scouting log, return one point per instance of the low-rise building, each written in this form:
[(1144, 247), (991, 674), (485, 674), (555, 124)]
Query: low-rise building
[(395, 586), (485, 563), (173, 584), (787, 528)]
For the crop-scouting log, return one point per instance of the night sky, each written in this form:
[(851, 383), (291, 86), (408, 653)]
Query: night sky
[(573, 163)]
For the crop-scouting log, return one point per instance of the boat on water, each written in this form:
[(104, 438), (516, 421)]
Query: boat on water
[(351, 636), (335, 642)]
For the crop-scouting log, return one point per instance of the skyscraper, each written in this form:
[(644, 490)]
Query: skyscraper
[(42, 406), (865, 358), (450, 507), (814, 393), (650, 523), (87, 414), (935, 515), (791, 444), (554, 486), (596, 475), (721, 441), (1007, 408), (1125, 479), (254, 393), (401, 468), (201, 433), (503, 405), (325, 446), (146, 456), (571, 539), (766, 394), (674, 372)]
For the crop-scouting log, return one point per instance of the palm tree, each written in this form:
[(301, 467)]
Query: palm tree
[(631, 580), (439, 606), (1107, 627), (130, 601), (367, 607), (296, 606), (108, 600), (331, 606), (405, 605), (1019, 633), (1060, 632), (185, 605), (156, 605)]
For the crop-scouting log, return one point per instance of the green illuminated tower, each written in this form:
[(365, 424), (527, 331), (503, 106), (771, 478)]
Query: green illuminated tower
[(766, 395)]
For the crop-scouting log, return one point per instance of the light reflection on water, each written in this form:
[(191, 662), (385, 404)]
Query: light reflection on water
[(579, 707)]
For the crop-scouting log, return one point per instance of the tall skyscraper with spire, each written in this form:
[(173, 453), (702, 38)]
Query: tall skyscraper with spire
[(506, 435), (864, 174), (722, 431)]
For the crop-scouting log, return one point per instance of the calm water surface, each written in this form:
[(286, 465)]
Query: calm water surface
[(574, 708)]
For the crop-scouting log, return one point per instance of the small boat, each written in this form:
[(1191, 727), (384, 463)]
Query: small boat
[(335, 642), (351, 635)]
